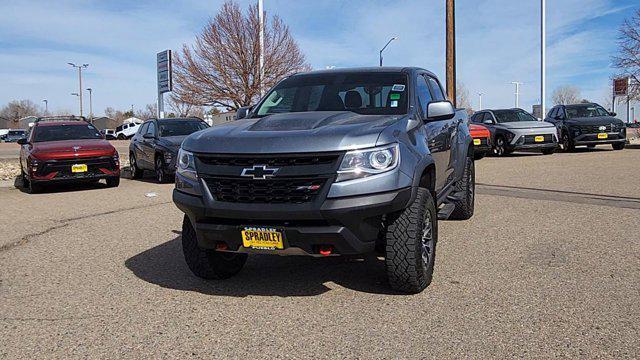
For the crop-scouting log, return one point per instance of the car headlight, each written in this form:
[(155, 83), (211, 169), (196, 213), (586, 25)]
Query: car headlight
[(362, 163), (186, 165)]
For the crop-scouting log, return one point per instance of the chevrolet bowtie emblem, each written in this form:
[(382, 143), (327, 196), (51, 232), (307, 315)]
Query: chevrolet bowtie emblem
[(259, 172)]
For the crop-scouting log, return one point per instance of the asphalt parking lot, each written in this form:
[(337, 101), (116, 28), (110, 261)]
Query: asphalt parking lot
[(548, 266)]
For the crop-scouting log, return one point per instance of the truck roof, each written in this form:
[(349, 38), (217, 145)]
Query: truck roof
[(379, 69)]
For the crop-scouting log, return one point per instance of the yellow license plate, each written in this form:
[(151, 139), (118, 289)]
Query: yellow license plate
[(262, 239), (603, 136), (539, 139), (79, 168), (476, 142)]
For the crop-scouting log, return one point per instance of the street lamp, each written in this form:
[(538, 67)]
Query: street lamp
[(543, 45), (517, 93), (385, 46), (46, 106), (90, 103), (79, 93)]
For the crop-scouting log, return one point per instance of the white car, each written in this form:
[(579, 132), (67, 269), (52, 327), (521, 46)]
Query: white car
[(126, 131)]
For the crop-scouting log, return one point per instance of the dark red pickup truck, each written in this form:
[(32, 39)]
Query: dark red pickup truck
[(67, 149)]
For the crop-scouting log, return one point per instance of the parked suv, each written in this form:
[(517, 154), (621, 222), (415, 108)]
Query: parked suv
[(126, 131), (155, 146), (516, 129), (587, 124), (334, 162), (66, 149), (15, 135)]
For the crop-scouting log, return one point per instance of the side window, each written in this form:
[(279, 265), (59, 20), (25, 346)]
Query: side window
[(552, 113), (487, 116), (151, 130), (424, 95), (560, 113), (119, 128), (143, 128), (436, 89), (477, 118)]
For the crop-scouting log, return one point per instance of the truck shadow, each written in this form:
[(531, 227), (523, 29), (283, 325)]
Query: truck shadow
[(262, 275)]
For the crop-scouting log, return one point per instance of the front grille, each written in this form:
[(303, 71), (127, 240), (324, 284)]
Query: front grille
[(271, 160), (592, 129), (531, 139), (63, 167), (268, 191)]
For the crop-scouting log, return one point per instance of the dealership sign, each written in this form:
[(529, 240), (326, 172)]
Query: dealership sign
[(621, 86), (165, 79)]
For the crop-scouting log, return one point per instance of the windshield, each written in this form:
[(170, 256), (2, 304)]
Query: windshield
[(504, 116), (65, 132), (362, 93), (585, 111), (16, 132), (180, 127)]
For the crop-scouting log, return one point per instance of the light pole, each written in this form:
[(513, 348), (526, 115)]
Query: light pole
[(75, 94), (543, 60), (261, 19), (90, 90), (517, 93), (80, 67), (385, 46), (46, 106), (480, 96)]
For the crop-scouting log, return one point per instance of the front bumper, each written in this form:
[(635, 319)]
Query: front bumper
[(60, 170), (350, 225), (592, 139)]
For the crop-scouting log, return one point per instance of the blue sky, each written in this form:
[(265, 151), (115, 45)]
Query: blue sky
[(498, 42)]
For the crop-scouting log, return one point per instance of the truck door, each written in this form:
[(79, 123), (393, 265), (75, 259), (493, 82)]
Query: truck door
[(451, 128), (437, 134)]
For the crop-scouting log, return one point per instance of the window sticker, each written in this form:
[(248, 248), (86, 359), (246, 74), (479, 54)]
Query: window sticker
[(394, 103), (394, 96), (397, 87)]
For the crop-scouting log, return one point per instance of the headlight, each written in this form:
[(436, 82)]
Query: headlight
[(362, 163), (186, 166)]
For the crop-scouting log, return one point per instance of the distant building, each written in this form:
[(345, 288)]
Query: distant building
[(628, 113), (221, 118), (105, 122)]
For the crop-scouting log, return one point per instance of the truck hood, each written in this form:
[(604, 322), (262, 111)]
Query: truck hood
[(526, 124), (317, 131), (172, 141), (600, 120)]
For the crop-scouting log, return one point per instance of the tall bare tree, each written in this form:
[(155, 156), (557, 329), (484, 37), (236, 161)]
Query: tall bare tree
[(149, 111), (183, 109), (17, 109), (565, 95), (628, 57), (462, 97), (222, 67)]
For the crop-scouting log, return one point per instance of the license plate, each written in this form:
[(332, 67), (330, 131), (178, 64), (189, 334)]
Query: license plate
[(79, 168), (476, 142), (262, 238), (603, 136), (539, 139)]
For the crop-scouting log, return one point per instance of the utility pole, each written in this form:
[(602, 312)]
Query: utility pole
[(451, 50), (480, 95), (80, 67), (543, 60), (385, 46), (517, 93), (46, 106), (261, 19), (90, 104)]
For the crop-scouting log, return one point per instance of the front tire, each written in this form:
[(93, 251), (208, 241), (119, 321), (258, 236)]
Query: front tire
[(466, 186), (206, 263), (567, 144), (500, 148), (618, 146), (411, 239), (113, 181), (136, 172), (161, 176)]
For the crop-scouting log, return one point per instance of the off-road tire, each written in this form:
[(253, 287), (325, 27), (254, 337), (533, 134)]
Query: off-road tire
[(113, 181), (121, 137), (136, 172), (467, 186), (618, 146), (407, 270), (206, 263)]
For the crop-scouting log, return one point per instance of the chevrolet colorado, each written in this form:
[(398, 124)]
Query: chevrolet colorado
[(335, 162)]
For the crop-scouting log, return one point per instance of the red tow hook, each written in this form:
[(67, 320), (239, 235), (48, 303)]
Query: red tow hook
[(222, 246), (326, 250)]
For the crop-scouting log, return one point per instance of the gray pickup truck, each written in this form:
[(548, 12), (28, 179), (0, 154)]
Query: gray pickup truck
[(328, 163)]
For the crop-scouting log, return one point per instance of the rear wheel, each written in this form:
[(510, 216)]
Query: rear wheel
[(618, 146), (466, 188), (207, 263), (411, 240), (161, 177), (122, 137), (136, 172)]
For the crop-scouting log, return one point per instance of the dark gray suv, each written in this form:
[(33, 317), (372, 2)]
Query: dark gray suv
[(336, 162)]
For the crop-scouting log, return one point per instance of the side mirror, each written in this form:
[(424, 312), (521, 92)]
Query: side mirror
[(611, 113), (22, 141), (440, 110), (148, 136), (243, 112), (488, 122)]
